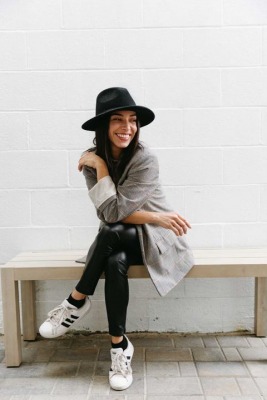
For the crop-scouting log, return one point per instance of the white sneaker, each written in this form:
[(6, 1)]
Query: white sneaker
[(120, 374), (62, 318)]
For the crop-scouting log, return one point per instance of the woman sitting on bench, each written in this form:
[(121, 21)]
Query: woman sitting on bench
[(137, 226)]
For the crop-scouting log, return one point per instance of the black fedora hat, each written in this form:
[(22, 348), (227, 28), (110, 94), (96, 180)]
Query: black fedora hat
[(117, 98)]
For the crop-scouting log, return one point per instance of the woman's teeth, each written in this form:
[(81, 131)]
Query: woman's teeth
[(123, 136)]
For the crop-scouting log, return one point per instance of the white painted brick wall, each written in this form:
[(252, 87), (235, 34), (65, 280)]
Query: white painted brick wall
[(202, 66)]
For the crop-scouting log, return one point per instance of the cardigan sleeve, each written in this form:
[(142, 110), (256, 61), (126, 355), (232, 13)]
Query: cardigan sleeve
[(113, 204)]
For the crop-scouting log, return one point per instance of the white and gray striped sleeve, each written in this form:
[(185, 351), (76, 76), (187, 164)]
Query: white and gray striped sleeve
[(103, 190)]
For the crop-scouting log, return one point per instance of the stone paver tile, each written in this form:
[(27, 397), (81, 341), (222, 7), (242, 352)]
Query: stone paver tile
[(188, 341), (56, 397), (162, 368), (90, 343), (262, 385), (251, 397), (159, 354), (167, 397), (226, 369), (42, 343), (247, 386), (210, 341), (138, 385), (231, 354), (104, 354), (74, 354), (43, 356), (99, 386), (220, 386), (86, 368), (255, 341), (101, 368), (41, 385), (173, 386), (264, 341), (2, 355), (138, 367), (16, 397), (232, 341), (257, 368), (215, 398), (151, 341), (29, 354), (135, 397), (187, 368), (26, 386), (25, 370), (253, 353), (61, 369), (72, 385), (117, 396), (211, 354)]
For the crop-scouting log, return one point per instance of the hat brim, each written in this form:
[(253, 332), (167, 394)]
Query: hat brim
[(145, 116)]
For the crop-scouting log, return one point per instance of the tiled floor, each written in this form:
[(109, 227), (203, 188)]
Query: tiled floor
[(166, 367)]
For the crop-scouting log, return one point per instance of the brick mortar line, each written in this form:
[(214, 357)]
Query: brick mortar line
[(136, 69), (135, 28)]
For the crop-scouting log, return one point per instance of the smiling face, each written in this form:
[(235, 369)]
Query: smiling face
[(122, 129)]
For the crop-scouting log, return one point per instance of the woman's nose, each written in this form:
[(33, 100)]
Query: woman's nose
[(126, 125)]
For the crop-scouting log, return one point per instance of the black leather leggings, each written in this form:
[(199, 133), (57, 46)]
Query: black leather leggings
[(115, 248)]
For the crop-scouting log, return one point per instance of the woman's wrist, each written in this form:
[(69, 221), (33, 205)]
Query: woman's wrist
[(154, 217), (101, 169), (142, 217)]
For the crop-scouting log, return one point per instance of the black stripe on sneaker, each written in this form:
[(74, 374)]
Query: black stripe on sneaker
[(66, 325), (74, 316), (69, 320)]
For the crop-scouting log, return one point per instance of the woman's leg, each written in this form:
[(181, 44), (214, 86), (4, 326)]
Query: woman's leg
[(71, 310), (116, 284), (106, 242), (117, 293), (110, 238), (117, 296)]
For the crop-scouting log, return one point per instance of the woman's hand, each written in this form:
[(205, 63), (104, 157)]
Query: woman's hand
[(173, 221), (90, 159)]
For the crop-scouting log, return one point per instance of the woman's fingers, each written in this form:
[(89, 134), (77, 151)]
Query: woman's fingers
[(81, 164), (83, 160), (181, 224), (184, 220)]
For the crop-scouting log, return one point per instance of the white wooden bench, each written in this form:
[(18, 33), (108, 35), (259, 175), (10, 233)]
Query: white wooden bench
[(35, 266)]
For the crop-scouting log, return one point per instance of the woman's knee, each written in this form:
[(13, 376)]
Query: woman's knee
[(111, 229), (116, 265), (108, 234)]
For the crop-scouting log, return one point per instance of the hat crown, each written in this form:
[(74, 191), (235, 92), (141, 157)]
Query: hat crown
[(112, 98)]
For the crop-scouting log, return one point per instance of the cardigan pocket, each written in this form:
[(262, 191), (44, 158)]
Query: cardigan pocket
[(165, 242)]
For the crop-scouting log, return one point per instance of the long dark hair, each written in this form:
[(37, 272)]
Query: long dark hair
[(103, 149)]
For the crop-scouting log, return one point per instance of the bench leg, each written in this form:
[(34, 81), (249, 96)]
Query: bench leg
[(261, 306), (11, 314), (28, 310)]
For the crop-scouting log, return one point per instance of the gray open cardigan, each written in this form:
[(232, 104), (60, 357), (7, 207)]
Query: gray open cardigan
[(167, 257)]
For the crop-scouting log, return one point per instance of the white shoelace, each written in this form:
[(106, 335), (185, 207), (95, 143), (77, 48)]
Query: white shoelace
[(59, 313), (120, 364)]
